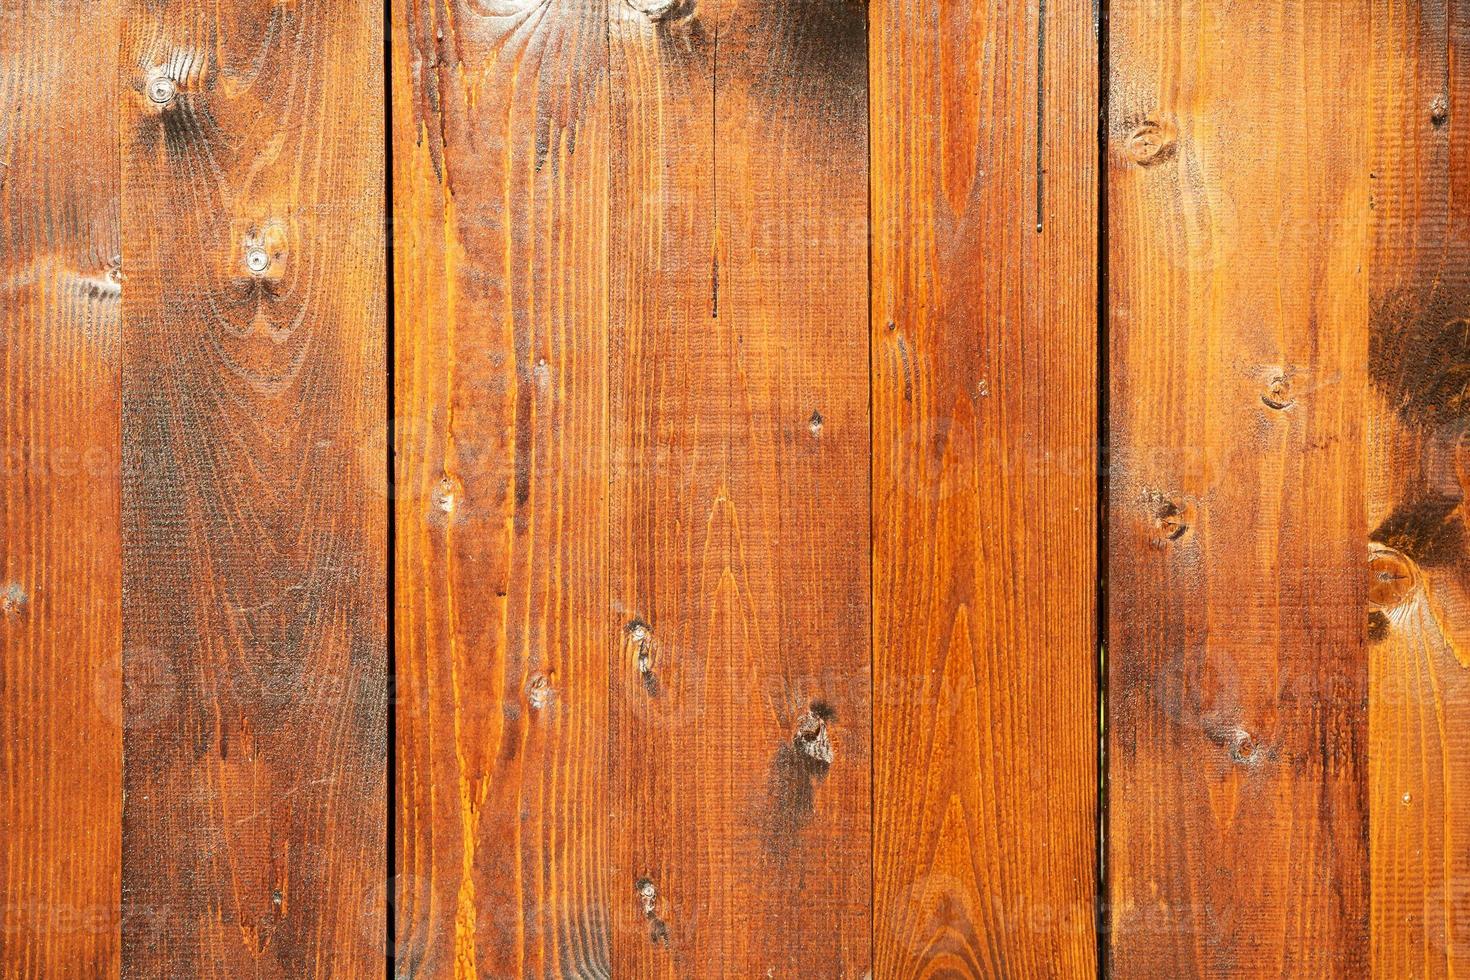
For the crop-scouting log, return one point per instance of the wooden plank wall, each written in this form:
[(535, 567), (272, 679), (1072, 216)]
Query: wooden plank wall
[(253, 367), (1419, 625), (730, 489), (1238, 331), (984, 334), (60, 667)]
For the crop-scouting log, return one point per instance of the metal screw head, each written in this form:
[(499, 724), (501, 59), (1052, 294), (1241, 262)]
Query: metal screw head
[(257, 260), (161, 90)]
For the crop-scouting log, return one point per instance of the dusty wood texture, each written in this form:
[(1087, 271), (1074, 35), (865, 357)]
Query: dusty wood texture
[(253, 537), (60, 647), (500, 157), (1238, 182), (984, 433), (1419, 599), (739, 525)]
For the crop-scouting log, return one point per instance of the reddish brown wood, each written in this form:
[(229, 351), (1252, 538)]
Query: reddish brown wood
[(1238, 319), (740, 738), (60, 649), (504, 632), (984, 390), (254, 541), (1419, 593)]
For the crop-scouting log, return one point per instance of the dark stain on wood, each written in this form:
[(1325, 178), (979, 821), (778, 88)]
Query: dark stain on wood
[(1419, 354)]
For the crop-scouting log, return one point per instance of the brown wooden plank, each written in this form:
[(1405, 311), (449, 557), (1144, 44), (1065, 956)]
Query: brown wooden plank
[(669, 429), (1419, 626), (984, 334), (739, 520), (254, 543), (60, 647), (501, 176), (1238, 185)]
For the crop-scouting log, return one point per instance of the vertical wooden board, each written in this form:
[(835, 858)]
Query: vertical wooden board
[(984, 334), (740, 696), (1238, 183), (500, 199), (791, 212), (60, 648), (669, 527), (253, 376), (1419, 599)]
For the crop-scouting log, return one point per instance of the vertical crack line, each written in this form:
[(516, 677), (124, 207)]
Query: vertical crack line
[(872, 559), (390, 850), (714, 147), (1104, 454), (1040, 111), (872, 449)]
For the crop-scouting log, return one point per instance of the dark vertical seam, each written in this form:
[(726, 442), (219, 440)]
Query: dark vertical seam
[(872, 510), (391, 898), (120, 161), (1104, 449), (603, 942), (1040, 111), (714, 144)]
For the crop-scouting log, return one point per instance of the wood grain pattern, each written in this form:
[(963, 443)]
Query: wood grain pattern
[(1419, 626), (740, 705), (253, 539), (984, 437), (734, 639), (1239, 205), (60, 648), (504, 633)]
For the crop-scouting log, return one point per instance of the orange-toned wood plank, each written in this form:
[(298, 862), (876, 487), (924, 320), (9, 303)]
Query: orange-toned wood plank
[(984, 334), (1419, 625), (1239, 207), (501, 208), (739, 521), (60, 642), (253, 368)]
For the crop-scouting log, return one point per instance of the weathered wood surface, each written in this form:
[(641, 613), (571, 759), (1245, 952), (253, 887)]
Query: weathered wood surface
[(984, 381), (501, 155), (60, 651), (745, 507), (672, 526), (1419, 598), (1238, 325), (253, 374), (740, 738), (703, 639)]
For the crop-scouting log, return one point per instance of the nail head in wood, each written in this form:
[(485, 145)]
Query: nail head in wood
[(257, 259), (162, 90)]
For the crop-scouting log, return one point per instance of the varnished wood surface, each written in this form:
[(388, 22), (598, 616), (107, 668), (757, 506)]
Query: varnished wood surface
[(60, 649), (739, 440), (676, 604), (740, 737), (501, 155), (253, 374), (632, 499), (1238, 332), (984, 334), (1419, 625)]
